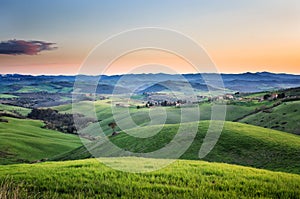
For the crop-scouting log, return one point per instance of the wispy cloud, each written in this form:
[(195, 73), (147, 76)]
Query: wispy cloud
[(22, 47)]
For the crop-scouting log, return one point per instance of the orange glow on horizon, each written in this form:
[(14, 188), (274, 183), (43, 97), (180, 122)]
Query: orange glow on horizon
[(235, 60)]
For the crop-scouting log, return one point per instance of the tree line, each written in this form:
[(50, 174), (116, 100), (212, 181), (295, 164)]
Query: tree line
[(61, 122)]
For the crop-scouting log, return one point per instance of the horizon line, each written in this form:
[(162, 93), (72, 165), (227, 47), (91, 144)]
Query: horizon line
[(223, 73)]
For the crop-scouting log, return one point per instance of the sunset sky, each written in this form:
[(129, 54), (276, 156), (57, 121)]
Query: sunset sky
[(55, 37)]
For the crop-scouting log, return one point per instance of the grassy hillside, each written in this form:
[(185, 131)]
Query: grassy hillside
[(8, 96), (182, 179), (103, 109), (249, 110), (238, 144), (23, 140), (20, 110), (284, 117), (45, 86), (141, 116)]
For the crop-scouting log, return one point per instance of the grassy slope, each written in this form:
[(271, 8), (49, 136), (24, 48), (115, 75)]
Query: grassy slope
[(25, 140), (141, 116), (45, 86), (239, 144), (21, 110), (103, 109), (182, 179), (8, 96), (284, 117)]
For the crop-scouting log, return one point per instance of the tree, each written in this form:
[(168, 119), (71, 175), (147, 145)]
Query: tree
[(61, 122), (164, 103), (281, 95), (113, 125), (267, 96)]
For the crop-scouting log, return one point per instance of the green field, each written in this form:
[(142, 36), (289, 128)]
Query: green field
[(258, 158), (45, 86), (182, 179), (284, 117), (38, 88), (234, 110), (20, 110), (238, 144), (23, 140), (8, 96), (141, 116), (103, 109)]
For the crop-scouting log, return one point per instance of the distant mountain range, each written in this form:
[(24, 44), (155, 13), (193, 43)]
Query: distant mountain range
[(139, 83)]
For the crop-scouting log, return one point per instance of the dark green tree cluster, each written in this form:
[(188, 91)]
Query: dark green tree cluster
[(60, 122)]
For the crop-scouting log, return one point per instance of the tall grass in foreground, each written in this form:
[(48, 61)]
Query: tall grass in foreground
[(182, 179), (9, 190)]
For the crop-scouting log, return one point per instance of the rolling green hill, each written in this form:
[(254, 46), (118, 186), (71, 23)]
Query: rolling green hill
[(8, 96), (284, 117), (239, 143), (141, 116), (182, 179), (9, 108), (103, 109), (23, 140), (45, 86)]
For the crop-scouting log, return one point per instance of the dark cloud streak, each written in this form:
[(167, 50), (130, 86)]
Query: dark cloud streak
[(22, 47)]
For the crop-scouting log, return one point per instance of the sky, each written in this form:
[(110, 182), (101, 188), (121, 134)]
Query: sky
[(57, 37)]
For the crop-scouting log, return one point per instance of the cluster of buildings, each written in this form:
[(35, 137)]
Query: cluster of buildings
[(169, 99)]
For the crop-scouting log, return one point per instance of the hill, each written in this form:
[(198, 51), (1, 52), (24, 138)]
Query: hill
[(249, 108), (141, 117), (11, 109), (182, 179), (23, 140), (284, 117), (245, 82), (177, 86), (239, 143)]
